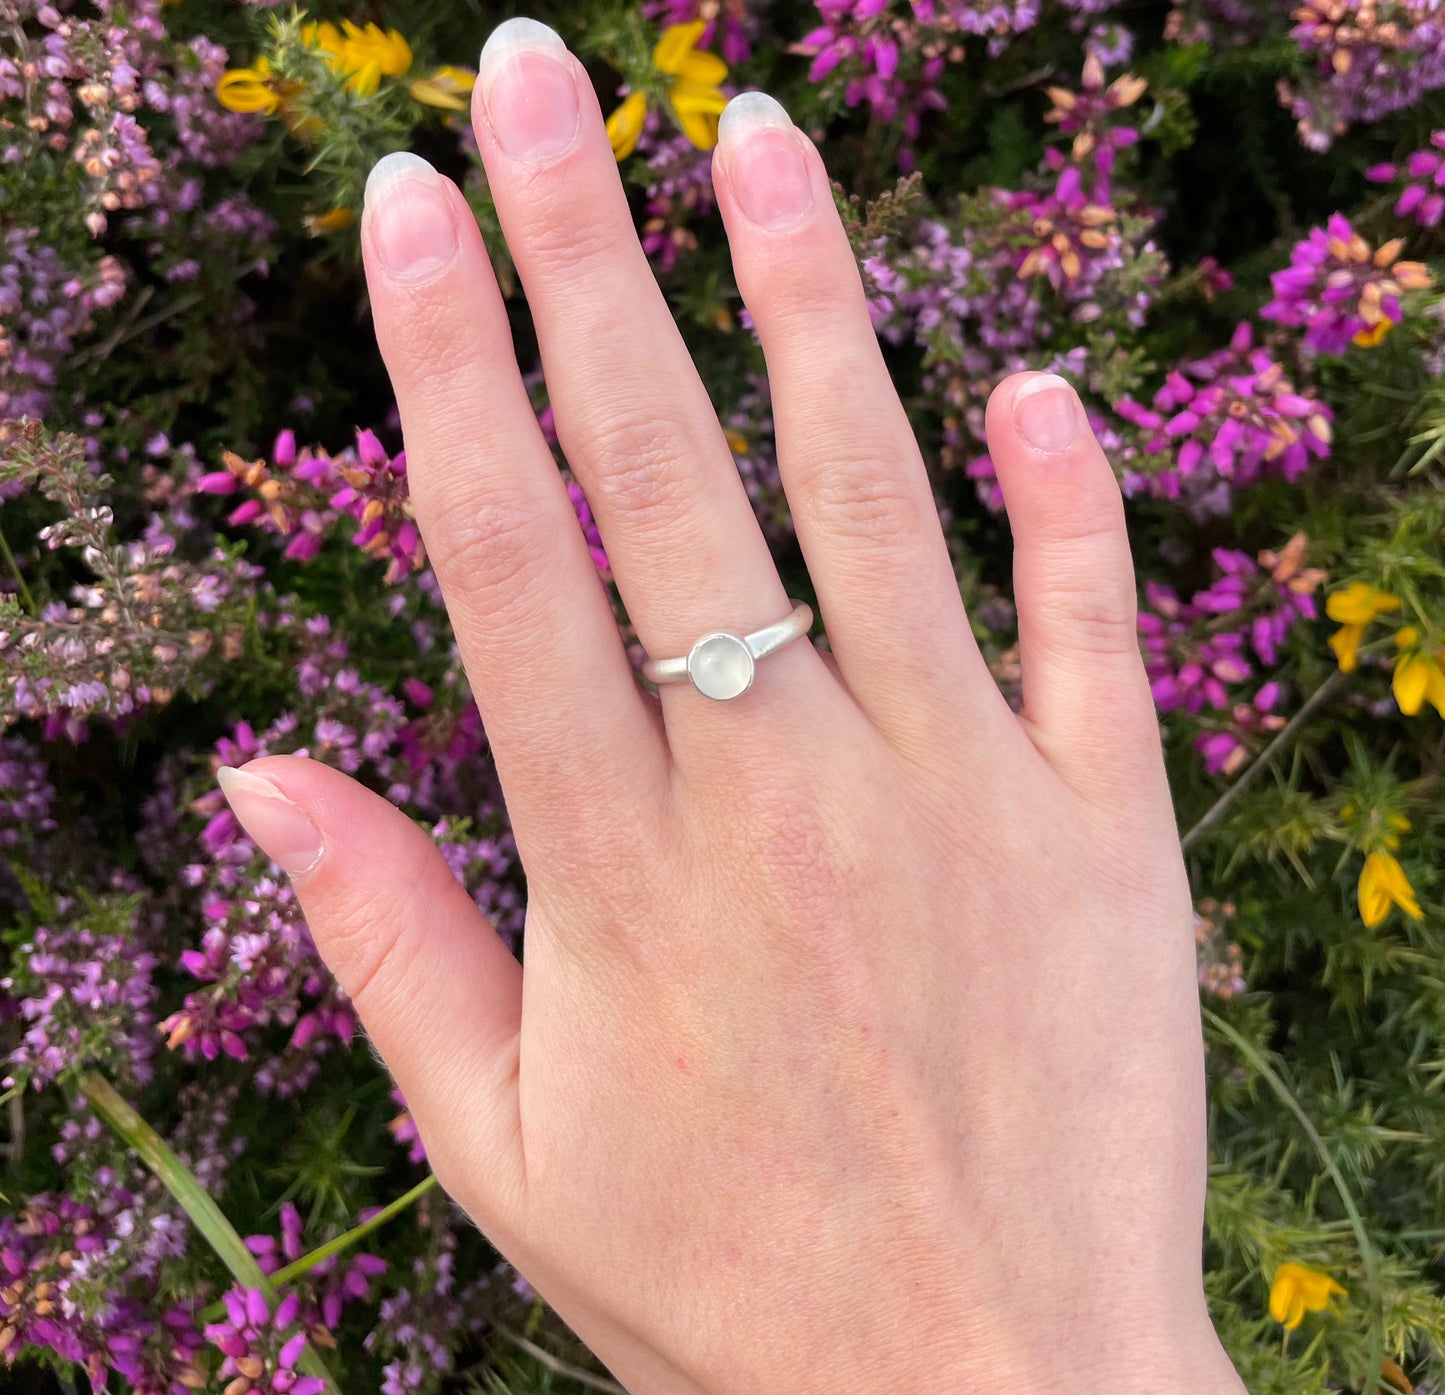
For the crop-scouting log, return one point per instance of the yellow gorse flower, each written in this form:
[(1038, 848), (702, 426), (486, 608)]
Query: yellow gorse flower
[(1419, 674), (624, 126), (1297, 1290), (250, 89), (447, 87), (694, 92), (1383, 884), (363, 54), (1353, 608)]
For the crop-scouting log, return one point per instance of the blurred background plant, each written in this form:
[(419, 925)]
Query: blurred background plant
[(1220, 219)]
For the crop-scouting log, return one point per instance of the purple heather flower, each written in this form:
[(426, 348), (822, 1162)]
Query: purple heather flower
[(404, 1130), (84, 993), (1090, 117), (1341, 290), (79, 1283), (100, 87), (327, 1286), (1066, 236), (589, 528), (256, 1347), (1200, 653), (893, 64), (26, 794), (1370, 58), (730, 25), (679, 192), (1421, 180), (416, 1330), (1222, 423), (1112, 44)]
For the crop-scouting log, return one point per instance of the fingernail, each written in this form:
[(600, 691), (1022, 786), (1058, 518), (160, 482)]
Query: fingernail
[(278, 827), (528, 90), (765, 166), (413, 227), (1046, 412)]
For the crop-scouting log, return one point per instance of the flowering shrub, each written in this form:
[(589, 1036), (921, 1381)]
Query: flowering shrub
[(1220, 220)]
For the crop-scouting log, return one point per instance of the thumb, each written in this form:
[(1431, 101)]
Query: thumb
[(439, 993), (1086, 694)]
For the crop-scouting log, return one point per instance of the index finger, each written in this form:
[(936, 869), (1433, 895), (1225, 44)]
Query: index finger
[(566, 718)]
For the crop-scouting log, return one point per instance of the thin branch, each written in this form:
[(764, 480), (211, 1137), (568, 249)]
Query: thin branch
[(16, 1146), (556, 1365), (121, 332), (307, 1262), (132, 328), (14, 567), (1318, 698)]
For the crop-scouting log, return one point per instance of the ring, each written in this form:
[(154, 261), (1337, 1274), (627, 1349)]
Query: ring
[(721, 665)]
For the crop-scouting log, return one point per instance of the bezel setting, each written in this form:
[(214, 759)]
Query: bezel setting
[(721, 666)]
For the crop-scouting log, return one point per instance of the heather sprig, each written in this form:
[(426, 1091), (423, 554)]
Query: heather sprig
[(259, 1347), (1091, 115), (1366, 59), (147, 623), (1343, 291), (84, 989), (1221, 423), (1205, 655)]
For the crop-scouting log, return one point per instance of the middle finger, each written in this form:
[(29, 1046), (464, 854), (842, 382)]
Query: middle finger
[(632, 414)]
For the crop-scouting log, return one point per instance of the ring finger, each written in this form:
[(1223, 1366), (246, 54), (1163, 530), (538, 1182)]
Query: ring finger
[(632, 414)]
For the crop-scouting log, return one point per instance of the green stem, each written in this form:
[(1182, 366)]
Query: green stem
[(14, 567), (192, 1197), (557, 1366), (307, 1262), (1286, 734), (1368, 1259)]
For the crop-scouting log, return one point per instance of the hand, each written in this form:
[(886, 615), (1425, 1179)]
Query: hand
[(858, 1045)]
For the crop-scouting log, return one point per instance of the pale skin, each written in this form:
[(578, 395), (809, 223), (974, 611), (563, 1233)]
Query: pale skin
[(858, 1044)]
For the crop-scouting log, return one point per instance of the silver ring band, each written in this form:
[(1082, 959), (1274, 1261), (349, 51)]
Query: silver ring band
[(721, 665)]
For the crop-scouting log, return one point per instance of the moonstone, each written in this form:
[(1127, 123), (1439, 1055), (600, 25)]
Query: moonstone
[(720, 666)]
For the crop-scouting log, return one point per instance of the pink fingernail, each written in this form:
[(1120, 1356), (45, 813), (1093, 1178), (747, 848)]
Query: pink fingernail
[(1046, 412), (279, 828), (765, 166), (529, 91), (413, 228)]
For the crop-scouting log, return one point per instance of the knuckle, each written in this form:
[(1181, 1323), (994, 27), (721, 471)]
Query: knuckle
[(564, 238), (862, 498), (1085, 524), (1087, 588), (642, 469), (1092, 616), (487, 549), (811, 287), (371, 954)]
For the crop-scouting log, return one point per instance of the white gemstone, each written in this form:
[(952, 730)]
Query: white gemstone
[(720, 666)]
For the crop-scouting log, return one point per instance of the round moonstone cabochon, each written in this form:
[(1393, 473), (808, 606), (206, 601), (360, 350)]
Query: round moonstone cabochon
[(720, 666)]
